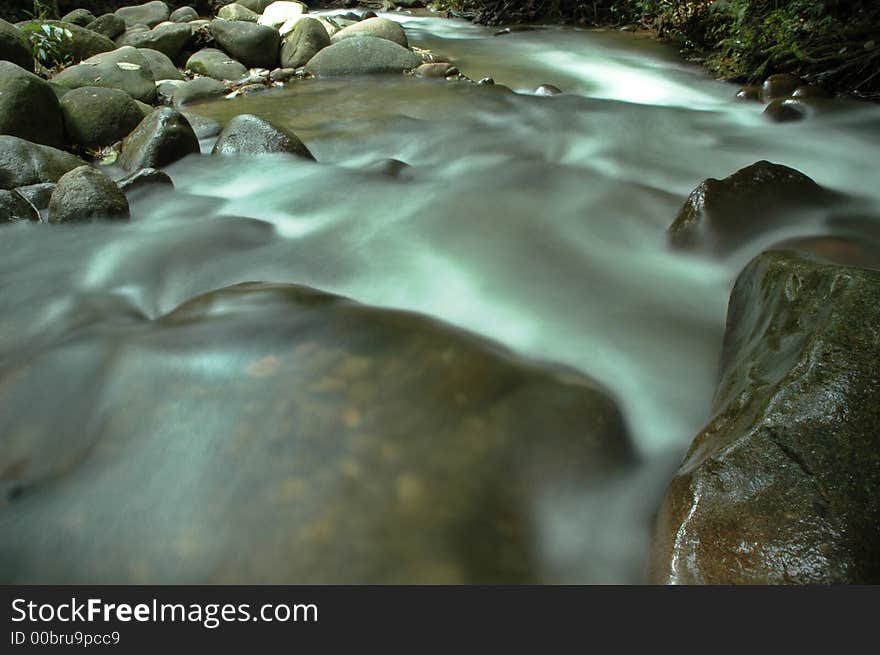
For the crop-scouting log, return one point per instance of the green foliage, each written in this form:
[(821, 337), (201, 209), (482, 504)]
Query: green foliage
[(49, 44)]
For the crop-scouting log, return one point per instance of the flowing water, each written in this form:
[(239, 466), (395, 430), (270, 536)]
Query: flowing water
[(536, 221)]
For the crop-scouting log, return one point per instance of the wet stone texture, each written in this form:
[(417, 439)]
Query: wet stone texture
[(782, 485), (276, 434)]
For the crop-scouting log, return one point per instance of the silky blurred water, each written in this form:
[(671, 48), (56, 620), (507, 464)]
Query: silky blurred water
[(536, 221)]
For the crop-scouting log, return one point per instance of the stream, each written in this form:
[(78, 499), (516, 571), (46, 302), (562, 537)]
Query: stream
[(539, 222)]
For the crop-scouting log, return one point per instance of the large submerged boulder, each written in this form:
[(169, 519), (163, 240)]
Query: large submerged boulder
[(362, 55), (23, 163), (271, 433), (720, 215), (782, 485)]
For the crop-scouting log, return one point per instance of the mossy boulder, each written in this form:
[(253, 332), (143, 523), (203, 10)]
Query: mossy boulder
[(23, 163), (81, 17), (382, 28), (235, 11), (252, 44), (109, 25), (246, 134), (184, 15), (85, 194), (306, 39), (161, 66), (362, 55), (149, 14), (29, 107), (125, 69), (15, 47), (162, 138), (169, 38), (217, 64), (95, 116), (781, 486)]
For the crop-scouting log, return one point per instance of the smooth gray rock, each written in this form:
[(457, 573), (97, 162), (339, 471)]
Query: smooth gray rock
[(37, 194), (162, 138), (235, 11), (81, 17), (95, 116), (170, 39), (382, 28), (204, 127), (184, 15), (197, 90), (29, 107), (125, 68), (217, 64), (149, 14), (362, 55), (247, 134), (14, 208), (15, 47), (23, 163), (143, 180), (161, 65), (86, 194), (109, 25), (253, 45), (256, 6), (305, 41)]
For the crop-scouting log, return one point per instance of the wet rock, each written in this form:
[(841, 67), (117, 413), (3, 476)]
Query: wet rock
[(786, 110), (204, 128), (235, 11), (29, 107), (125, 69), (23, 163), (183, 15), (252, 88), (845, 250), (85, 194), (810, 91), (779, 86), (162, 138), (15, 208), (433, 70), (382, 28), (161, 66), (393, 168), (362, 55), (81, 43), (282, 74), (37, 194), (81, 17), (217, 64), (251, 44), (146, 179), (197, 90), (781, 486), (751, 93), (251, 135), (368, 446), (149, 14), (95, 116), (305, 41), (548, 90), (486, 81), (278, 13), (170, 39), (722, 214), (109, 25), (14, 46)]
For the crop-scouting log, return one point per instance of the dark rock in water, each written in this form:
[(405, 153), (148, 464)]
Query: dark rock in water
[(85, 194), (786, 111), (95, 117), (486, 81), (109, 25), (14, 208), (29, 107), (23, 163), (202, 88), (80, 43), (367, 446), (433, 70), (81, 17), (409, 4), (362, 55), (15, 47), (394, 168), (161, 65), (251, 135), (781, 486), (162, 138), (37, 194), (810, 91), (382, 28), (204, 128), (282, 74), (779, 86), (722, 214), (149, 14), (749, 93), (548, 90), (125, 68), (251, 44), (170, 39), (304, 42), (184, 15), (217, 64), (250, 89), (145, 179)]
